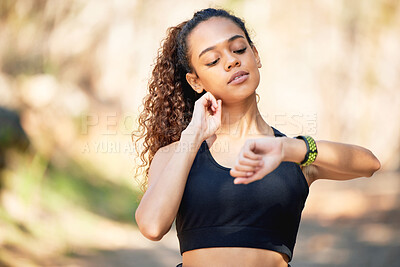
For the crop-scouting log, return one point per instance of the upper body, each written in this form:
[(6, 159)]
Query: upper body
[(263, 215), (220, 63)]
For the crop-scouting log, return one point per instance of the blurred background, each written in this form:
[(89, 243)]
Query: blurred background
[(72, 78)]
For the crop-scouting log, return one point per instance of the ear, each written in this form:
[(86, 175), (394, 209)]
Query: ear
[(194, 82), (257, 56)]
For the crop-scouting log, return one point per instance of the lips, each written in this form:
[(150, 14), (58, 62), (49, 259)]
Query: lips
[(237, 75)]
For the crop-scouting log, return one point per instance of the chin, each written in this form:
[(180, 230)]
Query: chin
[(232, 98)]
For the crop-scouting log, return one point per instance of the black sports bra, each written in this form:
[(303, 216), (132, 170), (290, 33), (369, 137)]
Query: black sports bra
[(215, 212)]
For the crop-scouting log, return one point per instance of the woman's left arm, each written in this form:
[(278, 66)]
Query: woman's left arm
[(335, 161)]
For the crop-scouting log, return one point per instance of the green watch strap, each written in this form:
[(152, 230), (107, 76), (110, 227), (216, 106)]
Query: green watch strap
[(312, 151)]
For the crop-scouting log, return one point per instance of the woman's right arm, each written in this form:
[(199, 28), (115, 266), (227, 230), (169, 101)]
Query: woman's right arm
[(167, 179), (170, 168)]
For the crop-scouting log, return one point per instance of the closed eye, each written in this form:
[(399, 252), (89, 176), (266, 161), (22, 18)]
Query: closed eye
[(241, 51), (213, 63)]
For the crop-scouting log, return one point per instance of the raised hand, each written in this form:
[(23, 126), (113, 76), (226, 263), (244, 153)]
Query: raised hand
[(206, 118), (257, 158)]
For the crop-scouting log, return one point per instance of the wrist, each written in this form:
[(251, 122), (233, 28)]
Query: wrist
[(191, 137), (294, 150)]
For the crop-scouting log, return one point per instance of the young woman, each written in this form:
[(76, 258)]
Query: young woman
[(235, 185)]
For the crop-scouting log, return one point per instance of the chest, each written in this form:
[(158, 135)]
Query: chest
[(225, 153), (210, 191), (225, 157)]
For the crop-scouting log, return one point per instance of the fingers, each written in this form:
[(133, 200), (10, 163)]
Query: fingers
[(252, 155), (208, 100), (209, 97), (248, 161), (242, 180), (248, 150), (236, 173), (218, 110), (248, 177), (246, 165), (246, 170), (245, 180), (250, 166), (244, 161), (245, 177)]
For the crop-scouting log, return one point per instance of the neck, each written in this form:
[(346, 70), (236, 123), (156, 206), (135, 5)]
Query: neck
[(243, 119)]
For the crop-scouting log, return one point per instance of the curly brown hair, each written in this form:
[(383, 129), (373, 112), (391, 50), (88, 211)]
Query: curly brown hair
[(168, 106)]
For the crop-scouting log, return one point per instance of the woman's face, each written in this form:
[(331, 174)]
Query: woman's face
[(225, 63)]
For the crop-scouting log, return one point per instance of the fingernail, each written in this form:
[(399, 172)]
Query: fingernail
[(261, 163)]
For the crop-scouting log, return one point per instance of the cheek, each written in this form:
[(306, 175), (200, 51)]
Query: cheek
[(212, 78), (253, 61)]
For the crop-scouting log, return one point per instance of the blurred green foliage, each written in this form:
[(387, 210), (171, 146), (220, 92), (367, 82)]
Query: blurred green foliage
[(72, 184), (91, 191), (43, 192)]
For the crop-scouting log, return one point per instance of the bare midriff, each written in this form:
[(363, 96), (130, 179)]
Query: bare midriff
[(234, 256)]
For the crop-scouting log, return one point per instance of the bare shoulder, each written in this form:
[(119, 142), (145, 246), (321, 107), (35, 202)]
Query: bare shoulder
[(160, 160)]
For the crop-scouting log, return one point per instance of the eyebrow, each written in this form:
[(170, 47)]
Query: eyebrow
[(233, 38)]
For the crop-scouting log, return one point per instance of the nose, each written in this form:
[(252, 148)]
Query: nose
[(231, 62)]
